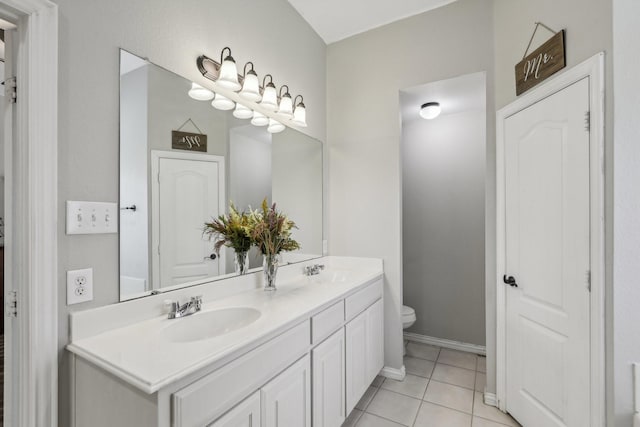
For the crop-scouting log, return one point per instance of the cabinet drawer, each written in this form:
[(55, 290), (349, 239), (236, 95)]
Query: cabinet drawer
[(208, 398), (359, 301), (326, 322)]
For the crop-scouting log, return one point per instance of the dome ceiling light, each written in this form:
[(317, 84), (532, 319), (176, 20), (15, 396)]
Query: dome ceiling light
[(430, 110)]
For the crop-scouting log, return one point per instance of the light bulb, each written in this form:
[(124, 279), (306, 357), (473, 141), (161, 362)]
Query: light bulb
[(259, 119), (275, 126), (222, 103), (228, 77), (200, 93), (242, 112), (251, 87), (300, 115), (286, 106)]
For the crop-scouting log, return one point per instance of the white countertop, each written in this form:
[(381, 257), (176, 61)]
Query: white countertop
[(139, 354)]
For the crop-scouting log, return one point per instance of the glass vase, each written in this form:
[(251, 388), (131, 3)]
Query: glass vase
[(241, 262), (270, 269)]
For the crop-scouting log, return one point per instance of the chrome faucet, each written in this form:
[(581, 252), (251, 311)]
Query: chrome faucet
[(312, 270), (192, 306)]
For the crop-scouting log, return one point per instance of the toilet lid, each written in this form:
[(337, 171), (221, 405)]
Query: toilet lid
[(407, 311)]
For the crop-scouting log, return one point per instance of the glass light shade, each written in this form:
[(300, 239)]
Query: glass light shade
[(275, 126), (430, 110), (300, 115), (242, 112), (228, 77), (259, 119), (222, 103), (200, 93), (251, 87), (270, 97), (286, 106)]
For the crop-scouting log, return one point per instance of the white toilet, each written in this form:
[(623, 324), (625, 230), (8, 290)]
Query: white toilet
[(408, 316)]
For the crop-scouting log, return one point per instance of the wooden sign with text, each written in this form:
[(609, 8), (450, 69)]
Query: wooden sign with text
[(540, 64), (188, 141)]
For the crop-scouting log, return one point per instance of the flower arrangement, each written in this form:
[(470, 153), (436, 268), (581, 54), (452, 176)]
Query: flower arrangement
[(233, 231), (270, 230)]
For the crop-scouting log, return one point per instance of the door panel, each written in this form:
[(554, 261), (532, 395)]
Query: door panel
[(286, 400), (547, 251), (188, 193), (245, 414), (328, 382)]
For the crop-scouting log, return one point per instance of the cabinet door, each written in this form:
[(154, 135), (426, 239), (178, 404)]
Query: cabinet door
[(364, 350), (245, 414), (286, 400), (328, 368), (356, 365), (375, 342)]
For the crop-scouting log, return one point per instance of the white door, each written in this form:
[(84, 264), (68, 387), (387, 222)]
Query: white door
[(356, 354), (547, 254), (286, 400), (329, 382), (244, 414), (188, 196), (375, 343)]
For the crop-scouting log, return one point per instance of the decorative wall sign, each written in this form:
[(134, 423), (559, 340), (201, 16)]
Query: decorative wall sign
[(542, 63), (188, 140)]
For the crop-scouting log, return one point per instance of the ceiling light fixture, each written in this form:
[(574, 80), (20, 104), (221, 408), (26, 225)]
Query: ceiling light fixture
[(430, 110)]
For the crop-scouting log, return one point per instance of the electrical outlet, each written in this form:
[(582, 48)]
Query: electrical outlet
[(79, 286)]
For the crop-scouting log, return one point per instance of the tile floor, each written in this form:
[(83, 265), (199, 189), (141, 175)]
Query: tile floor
[(442, 389)]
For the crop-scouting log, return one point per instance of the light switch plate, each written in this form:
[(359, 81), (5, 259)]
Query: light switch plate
[(79, 286), (92, 217)]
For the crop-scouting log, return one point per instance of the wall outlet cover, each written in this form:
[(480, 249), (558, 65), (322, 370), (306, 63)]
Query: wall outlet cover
[(79, 286)]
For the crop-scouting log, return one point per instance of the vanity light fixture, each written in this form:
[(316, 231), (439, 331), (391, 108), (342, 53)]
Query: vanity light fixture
[(222, 103), (299, 113), (286, 104), (224, 73), (228, 77), (275, 126), (430, 110), (200, 93), (269, 95), (259, 119), (242, 112), (251, 85)]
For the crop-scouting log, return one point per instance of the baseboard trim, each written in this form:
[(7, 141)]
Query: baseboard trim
[(393, 373), (441, 342), (490, 399)]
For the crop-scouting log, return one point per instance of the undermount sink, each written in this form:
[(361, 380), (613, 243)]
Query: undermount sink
[(210, 324)]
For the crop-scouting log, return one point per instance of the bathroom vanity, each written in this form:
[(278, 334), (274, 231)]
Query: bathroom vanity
[(301, 356)]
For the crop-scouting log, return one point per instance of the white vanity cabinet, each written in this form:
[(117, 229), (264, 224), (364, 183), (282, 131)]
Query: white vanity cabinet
[(308, 372), (364, 351)]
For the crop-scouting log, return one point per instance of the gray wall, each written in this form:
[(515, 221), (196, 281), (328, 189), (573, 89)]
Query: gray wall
[(365, 74), (626, 267), (172, 34), (589, 31), (443, 171)]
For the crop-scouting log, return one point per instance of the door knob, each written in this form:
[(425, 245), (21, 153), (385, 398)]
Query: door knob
[(511, 281), (212, 256)]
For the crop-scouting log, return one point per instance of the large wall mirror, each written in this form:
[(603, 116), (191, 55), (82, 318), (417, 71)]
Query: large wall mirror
[(170, 185)]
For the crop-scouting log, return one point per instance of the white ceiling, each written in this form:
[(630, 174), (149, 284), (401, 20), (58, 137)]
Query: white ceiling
[(456, 95), (335, 20)]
